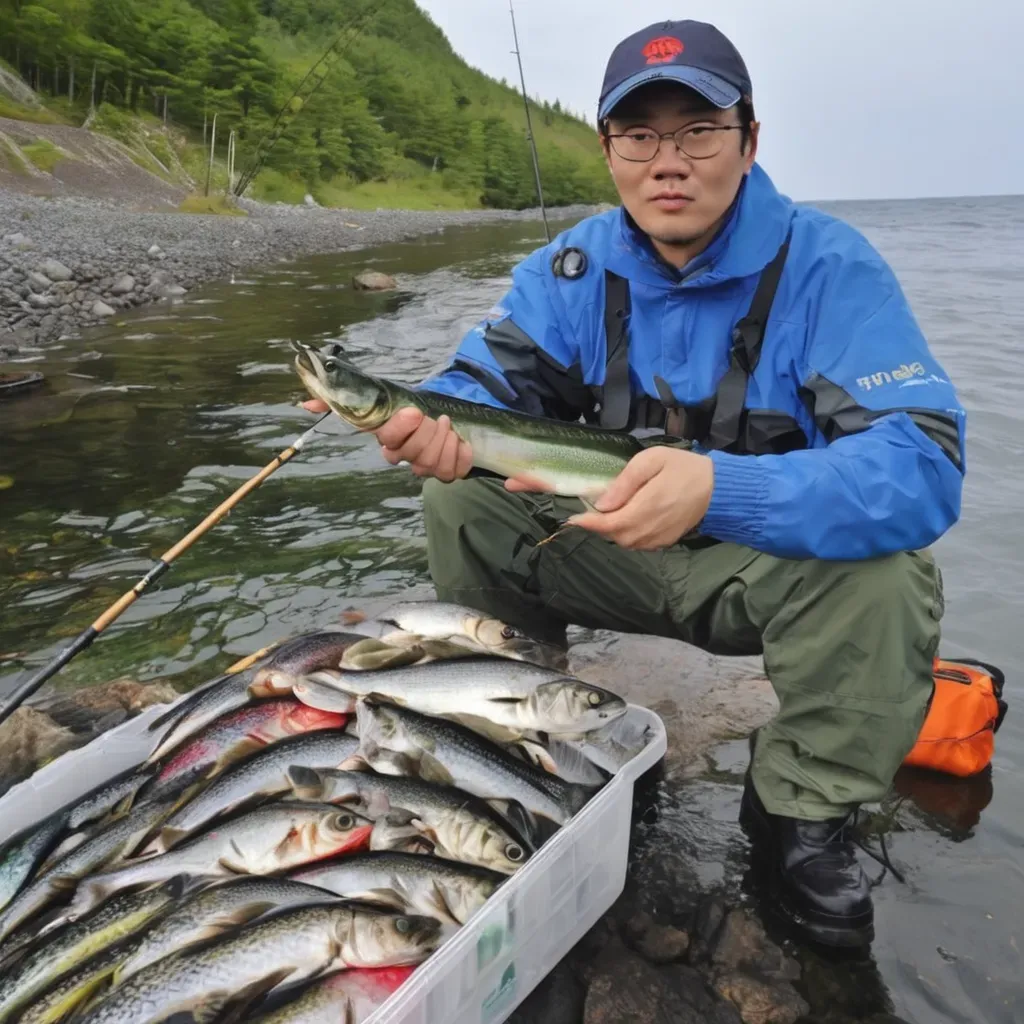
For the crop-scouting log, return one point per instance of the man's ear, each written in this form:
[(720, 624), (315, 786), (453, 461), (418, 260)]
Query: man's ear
[(605, 148), (751, 154)]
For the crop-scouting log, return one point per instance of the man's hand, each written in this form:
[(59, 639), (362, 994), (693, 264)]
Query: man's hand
[(662, 494), (431, 447)]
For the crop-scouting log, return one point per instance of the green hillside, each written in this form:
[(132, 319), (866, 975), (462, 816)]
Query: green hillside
[(398, 119)]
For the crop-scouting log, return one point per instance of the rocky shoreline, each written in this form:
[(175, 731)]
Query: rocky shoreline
[(70, 263)]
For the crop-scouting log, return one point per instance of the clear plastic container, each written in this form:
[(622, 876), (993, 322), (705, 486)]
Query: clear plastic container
[(495, 960)]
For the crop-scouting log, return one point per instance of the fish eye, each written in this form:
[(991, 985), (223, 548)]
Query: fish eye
[(344, 821), (330, 364), (595, 698), (510, 633), (514, 852), (402, 925)]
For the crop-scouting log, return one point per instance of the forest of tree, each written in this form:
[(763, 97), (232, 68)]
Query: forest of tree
[(396, 102)]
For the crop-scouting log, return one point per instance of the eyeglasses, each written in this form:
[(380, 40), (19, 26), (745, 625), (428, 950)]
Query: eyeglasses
[(641, 145)]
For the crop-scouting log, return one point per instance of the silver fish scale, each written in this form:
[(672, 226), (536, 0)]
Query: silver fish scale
[(486, 770), (301, 939), (322, 749), (215, 907)]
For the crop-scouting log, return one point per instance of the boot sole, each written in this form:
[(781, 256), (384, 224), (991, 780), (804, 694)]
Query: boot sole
[(842, 933)]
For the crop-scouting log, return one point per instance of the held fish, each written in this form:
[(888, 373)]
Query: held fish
[(345, 997), (515, 696), (398, 741), (567, 458), (273, 676), (458, 825), (291, 944), (412, 882), (262, 841), (263, 773)]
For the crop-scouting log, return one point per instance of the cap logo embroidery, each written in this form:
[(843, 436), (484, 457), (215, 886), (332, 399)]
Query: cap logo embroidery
[(662, 49)]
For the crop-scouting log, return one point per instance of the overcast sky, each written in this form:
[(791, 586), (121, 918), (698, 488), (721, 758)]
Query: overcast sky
[(856, 98)]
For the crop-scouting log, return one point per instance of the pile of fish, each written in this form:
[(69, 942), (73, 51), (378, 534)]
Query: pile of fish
[(308, 831)]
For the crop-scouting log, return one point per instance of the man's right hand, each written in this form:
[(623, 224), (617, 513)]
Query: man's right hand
[(431, 447)]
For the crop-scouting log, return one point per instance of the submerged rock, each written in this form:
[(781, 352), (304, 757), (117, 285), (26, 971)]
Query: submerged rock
[(374, 281)]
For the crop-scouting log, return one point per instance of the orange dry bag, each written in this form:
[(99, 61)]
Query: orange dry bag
[(966, 710)]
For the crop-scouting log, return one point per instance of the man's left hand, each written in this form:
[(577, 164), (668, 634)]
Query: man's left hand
[(662, 494)]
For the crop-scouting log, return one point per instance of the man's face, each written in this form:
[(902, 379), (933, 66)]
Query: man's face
[(677, 200)]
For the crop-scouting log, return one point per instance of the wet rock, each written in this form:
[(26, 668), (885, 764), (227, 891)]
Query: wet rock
[(38, 281), (15, 238), (123, 285), (155, 252), (83, 710), (374, 281), (55, 270), (761, 1001), (28, 739), (100, 308), (741, 942), (707, 922), (628, 990), (42, 301), (558, 999), (656, 943), (8, 345)]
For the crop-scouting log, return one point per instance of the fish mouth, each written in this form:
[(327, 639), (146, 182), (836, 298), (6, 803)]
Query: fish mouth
[(307, 359)]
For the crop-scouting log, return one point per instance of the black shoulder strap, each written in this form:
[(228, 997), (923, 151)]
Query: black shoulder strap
[(747, 338), (616, 396)]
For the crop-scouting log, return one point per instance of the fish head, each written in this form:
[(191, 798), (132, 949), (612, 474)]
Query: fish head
[(386, 939), (500, 851), (340, 830), (572, 705), (355, 396), (508, 641)]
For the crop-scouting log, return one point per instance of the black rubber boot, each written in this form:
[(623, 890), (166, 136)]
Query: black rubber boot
[(814, 877)]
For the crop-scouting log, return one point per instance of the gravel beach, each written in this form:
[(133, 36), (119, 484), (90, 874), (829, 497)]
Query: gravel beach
[(70, 262)]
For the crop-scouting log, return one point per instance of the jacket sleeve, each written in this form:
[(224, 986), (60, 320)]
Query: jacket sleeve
[(523, 355), (885, 473)]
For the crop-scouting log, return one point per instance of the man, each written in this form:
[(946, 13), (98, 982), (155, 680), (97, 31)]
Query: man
[(823, 450)]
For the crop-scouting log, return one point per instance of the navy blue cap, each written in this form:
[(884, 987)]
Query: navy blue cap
[(693, 53)]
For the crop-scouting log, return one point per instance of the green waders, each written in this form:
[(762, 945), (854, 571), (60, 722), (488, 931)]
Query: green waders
[(848, 646)]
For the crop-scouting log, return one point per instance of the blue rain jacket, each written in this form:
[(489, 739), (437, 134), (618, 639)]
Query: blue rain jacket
[(881, 461)]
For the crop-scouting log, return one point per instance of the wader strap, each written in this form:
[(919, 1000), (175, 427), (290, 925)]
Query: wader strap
[(616, 397), (747, 338)]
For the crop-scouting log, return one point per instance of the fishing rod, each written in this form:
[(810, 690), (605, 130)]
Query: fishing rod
[(318, 72), (529, 124), (83, 640)]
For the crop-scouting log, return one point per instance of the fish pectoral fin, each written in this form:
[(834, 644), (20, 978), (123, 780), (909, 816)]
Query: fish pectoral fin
[(431, 770), (587, 504), (381, 897), (536, 754), (306, 783), (239, 1000), (168, 837), (371, 654)]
